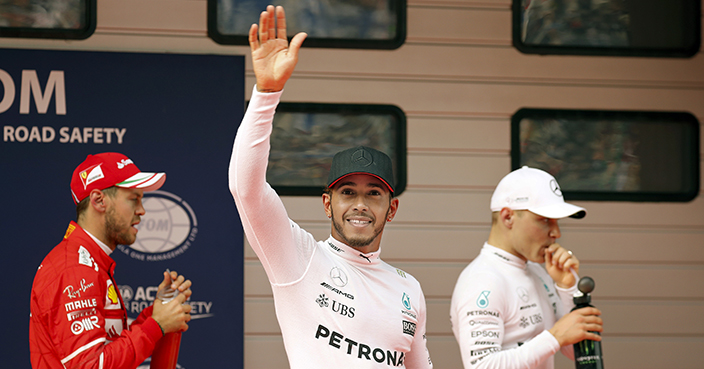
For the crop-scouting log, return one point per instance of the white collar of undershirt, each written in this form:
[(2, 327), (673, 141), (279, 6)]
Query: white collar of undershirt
[(503, 256), (100, 243), (352, 254)]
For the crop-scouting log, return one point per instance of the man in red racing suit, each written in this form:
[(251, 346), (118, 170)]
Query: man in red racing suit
[(78, 318)]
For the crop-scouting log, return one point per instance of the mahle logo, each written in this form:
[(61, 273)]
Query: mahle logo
[(167, 229)]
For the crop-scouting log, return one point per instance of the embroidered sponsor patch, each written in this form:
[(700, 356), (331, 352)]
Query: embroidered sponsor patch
[(69, 230), (409, 328), (91, 175)]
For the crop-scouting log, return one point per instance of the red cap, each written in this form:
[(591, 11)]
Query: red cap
[(104, 170)]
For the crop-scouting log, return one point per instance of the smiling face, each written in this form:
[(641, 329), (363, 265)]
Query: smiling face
[(359, 206), (122, 214), (531, 234)]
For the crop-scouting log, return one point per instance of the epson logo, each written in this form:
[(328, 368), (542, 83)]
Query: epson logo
[(485, 334)]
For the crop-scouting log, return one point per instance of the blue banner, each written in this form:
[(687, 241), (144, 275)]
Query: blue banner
[(172, 113)]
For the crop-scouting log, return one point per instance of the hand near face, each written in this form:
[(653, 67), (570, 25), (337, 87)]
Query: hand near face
[(273, 59), (558, 262)]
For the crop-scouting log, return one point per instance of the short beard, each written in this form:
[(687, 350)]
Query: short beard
[(114, 233), (356, 242)]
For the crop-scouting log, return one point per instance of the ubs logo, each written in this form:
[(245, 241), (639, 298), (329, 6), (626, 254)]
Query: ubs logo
[(324, 302), (166, 231), (338, 276)]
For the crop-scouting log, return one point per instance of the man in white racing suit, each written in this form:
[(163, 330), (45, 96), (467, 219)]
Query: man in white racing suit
[(507, 311), (338, 304)]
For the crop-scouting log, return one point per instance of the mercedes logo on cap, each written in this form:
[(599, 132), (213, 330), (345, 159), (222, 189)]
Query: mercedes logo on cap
[(555, 188), (362, 158)]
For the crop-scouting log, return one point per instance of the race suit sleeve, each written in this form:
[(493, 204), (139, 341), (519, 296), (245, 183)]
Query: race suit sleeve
[(480, 337), (143, 316), (76, 326), (270, 232), (419, 356)]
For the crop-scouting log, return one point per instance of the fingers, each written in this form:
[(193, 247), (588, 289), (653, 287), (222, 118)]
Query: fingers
[(590, 319), (580, 324), (253, 39), (259, 34), (588, 311), (272, 26), (561, 258), (296, 43), (593, 336), (166, 281), (280, 22)]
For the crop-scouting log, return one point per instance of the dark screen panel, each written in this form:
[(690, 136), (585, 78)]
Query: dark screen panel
[(611, 155)]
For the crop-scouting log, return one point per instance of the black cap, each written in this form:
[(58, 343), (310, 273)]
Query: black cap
[(362, 160)]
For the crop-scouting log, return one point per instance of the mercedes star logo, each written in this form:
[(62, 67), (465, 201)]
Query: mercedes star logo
[(339, 278), (555, 188), (522, 294), (362, 158)]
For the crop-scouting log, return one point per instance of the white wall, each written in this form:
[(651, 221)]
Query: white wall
[(459, 80)]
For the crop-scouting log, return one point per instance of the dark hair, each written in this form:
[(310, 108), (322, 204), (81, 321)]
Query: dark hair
[(83, 205)]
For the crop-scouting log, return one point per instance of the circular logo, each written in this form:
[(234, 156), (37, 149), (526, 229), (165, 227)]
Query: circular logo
[(127, 292), (362, 158), (522, 294), (166, 230), (555, 188), (77, 327), (339, 278)]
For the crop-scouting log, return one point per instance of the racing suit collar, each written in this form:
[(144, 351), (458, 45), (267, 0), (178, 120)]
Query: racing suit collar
[(504, 256), (100, 243), (100, 256), (352, 254)]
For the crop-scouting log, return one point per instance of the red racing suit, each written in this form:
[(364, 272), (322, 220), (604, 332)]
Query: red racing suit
[(78, 318)]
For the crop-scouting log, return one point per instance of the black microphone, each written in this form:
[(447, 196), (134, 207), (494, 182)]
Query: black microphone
[(587, 353)]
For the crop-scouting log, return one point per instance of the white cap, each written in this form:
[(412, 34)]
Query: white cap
[(536, 191)]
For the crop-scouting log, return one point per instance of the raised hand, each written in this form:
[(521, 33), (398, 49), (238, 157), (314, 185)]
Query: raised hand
[(273, 59)]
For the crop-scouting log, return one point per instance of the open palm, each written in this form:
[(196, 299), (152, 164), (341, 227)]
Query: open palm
[(273, 59)]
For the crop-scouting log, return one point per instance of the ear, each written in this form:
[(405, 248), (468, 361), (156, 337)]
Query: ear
[(98, 201), (393, 208), (327, 204), (506, 217)]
